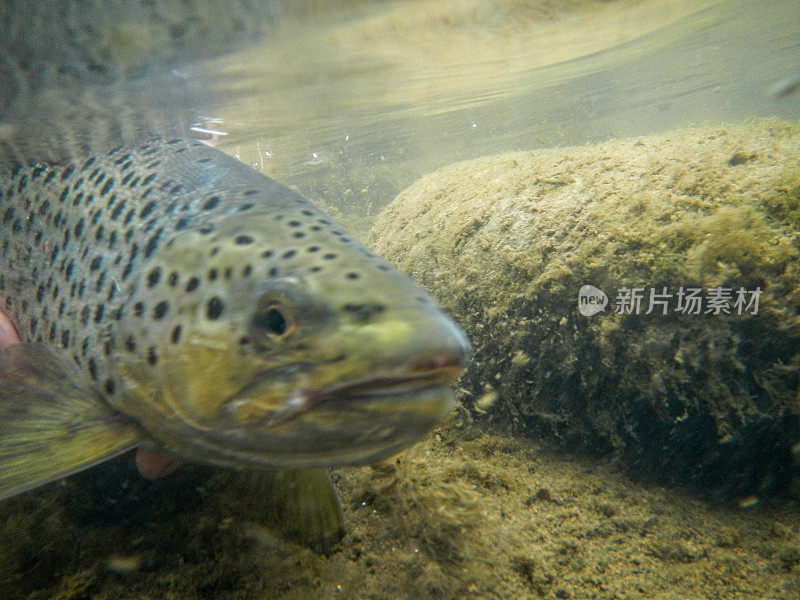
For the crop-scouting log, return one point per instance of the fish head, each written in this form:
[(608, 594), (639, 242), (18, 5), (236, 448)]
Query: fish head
[(290, 350)]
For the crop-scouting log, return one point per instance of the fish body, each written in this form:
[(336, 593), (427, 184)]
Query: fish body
[(172, 298)]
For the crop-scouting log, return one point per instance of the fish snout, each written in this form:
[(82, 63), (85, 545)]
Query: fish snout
[(445, 353)]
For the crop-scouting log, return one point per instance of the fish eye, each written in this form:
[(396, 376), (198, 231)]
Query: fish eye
[(274, 320)]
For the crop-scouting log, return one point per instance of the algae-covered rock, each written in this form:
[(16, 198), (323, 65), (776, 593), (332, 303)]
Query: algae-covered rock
[(706, 396)]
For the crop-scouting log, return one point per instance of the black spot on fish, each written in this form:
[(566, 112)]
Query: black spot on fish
[(152, 356), (153, 277), (214, 309), (211, 203), (172, 280), (107, 186), (147, 209), (93, 368), (129, 217), (66, 173), (101, 279), (118, 210), (243, 240), (152, 243), (160, 311), (193, 284), (176, 334)]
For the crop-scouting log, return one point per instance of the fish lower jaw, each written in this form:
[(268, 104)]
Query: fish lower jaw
[(357, 429), (305, 400)]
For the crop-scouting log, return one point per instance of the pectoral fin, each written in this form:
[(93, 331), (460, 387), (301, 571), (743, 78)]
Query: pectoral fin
[(301, 504), (53, 421)]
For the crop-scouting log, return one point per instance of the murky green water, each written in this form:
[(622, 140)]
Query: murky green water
[(352, 103)]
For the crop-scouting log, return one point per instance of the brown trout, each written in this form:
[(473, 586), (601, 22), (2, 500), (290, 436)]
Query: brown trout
[(169, 297)]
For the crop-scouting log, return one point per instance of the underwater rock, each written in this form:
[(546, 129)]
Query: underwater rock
[(705, 395)]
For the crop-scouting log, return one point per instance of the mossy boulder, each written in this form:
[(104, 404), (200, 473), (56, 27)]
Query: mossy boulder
[(708, 399)]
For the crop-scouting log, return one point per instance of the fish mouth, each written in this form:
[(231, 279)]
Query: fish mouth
[(357, 422), (365, 391)]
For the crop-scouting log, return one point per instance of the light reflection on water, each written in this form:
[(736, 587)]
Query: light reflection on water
[(353, 105)]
